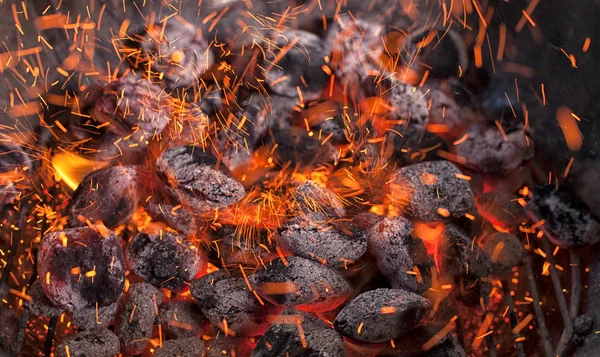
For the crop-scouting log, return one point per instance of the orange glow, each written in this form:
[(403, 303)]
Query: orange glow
[(72, 168), (570, 130)]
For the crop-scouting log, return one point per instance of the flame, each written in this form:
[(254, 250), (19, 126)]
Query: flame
[(71, 168)]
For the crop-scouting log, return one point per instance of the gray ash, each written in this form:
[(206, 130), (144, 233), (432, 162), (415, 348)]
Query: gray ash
[(92, 343)]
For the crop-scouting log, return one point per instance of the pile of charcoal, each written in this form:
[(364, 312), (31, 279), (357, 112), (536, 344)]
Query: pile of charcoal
[(292, 193)]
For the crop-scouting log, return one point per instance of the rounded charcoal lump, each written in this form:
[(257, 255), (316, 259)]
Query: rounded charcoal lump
[(567, 217), (181, 318), (236, 246), (505, 251), (432, 191), (299, 334), (381, 315), (166, 259), (88, 318), (39, 304), (458, 256), (409, 103), (400, 257), (91, 343), (228, 303), (137, 317), (108, 195), (450, 348), (80, 268), (294, 64), (181, 347), (229, 347), (310, 198), (195, 177), (301, 283)]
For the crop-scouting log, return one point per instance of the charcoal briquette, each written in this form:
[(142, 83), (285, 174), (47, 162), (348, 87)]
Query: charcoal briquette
[(91, 343), (39, 304), (400, 257), (301, 283), (566, 216), (310, 198), (458, 256), (381, 315), (295, 147), (299, 333), (89, 318), (165, 259), (248, 248), (181, 347), (432, 191), (79, 268), (505, 251), (194, 175), (14, 161), (108, 195), (229, 304), (228, 346), (450, 348), (137, 317), (181, 319), (408, 103)]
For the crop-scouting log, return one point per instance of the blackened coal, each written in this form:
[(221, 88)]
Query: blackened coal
[(400, 257), (227, 346), (137, 317), (459, 256), (450, 348), (176, 51), (92, 343), (299, 334), (381, 315), (582, 327), (181, 347), (89, 318), (329, 121), (181, 318), (301, 283), (234, 248), (505, 251), (108, 195), (164, 206), (80, 268), (228, 303), (295, 61), (165, 259), (13, 163), (566, 216), (310, 198), (194, 176), (489, 151), (408, 103), (434, 191), (39, 304), (294, 146)]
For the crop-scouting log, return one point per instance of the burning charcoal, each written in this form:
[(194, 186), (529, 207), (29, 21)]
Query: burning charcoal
[(132, 106), (450, 348), (229, 347), (434, 191), (297, 148), (176, 51), (181, 318), (400, 257), (108, 195), (39, 304), (236, 249), (165, 259), (302, 283), (92, 343), (195, 177), (88, 318), (295, 60), (137, 317), (489, 151), (567, 217), (381, 315), (299, 333), (505, 251), (181, 347), (458, 256), (228, 303), (310, 198), (445, 110), (328, 120), (13, 163), (164, 206), (79, 268), (408, 103)]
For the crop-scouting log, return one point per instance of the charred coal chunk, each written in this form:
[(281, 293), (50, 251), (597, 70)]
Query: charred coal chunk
[(194, 175), (181, 318), (566, 216), (505, 251), (294, 146), (296, 58), (450, 111), (582, 327), (246, 248), (311, 198), (137, 317), (176, 52), (133, 106), (182, 347), (299, 334), (108, 195), (79, 268), (381, 315), (491, 152), (229, 347), (228, 303), (165, 259), (450, 348), (432, 190), (408, 103), (39, 304), (13, 163), (92, 343), (329, 120), (301, 283), (164, 206), (400, 257), (91, 318)]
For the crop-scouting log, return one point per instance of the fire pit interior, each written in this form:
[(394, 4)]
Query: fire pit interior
[(291, 178)]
